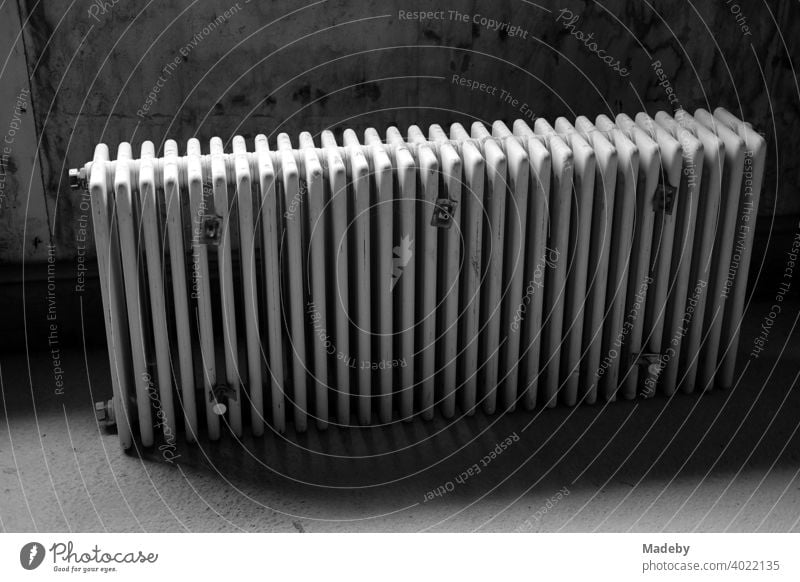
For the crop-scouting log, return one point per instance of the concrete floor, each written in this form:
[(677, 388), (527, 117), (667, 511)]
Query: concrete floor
[(726, 460)]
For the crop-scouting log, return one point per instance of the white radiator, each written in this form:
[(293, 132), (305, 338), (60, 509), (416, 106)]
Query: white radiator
[(366, 281)]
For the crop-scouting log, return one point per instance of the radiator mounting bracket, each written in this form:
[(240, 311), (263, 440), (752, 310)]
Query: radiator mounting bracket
[(443, 213)]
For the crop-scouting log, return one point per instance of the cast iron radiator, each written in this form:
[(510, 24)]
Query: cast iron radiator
[(363, 281)]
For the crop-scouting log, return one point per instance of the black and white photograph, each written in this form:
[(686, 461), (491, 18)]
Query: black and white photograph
[(385, 268)]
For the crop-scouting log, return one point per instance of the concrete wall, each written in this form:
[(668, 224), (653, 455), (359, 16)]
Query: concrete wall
[(223, 67), (24, 230)]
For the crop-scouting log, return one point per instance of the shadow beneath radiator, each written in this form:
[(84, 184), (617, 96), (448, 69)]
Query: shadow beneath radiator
[(616, 445), (519, 459)]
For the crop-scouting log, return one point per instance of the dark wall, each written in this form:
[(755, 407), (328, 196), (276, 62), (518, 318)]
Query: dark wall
[(278, 66)]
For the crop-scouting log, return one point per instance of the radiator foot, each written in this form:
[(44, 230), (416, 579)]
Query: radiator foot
[(104, 413)]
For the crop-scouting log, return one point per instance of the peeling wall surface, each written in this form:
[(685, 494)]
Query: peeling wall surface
[(124, 70), (23, 218)]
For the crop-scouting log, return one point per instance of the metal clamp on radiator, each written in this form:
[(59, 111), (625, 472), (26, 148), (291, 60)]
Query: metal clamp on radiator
[(665, 197), (218, 395), (443, 213), (211, 230), (651, 362)]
